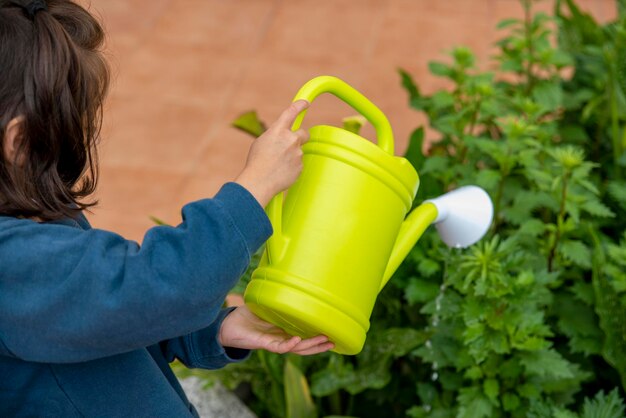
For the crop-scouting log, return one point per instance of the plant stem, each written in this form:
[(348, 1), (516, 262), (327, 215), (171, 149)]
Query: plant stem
[(474, 117), (504, 171), (470, 131), (497, 203), (559, 223)]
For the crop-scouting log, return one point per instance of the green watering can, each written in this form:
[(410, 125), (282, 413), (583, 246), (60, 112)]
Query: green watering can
[(342, 229)]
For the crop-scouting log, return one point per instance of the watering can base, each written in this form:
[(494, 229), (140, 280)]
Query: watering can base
[(304, 315)]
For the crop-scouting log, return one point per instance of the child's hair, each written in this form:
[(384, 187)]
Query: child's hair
[(54, 78)]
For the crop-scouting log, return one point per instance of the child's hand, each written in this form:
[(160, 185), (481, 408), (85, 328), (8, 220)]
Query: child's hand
[(242, 329), (275, 158)]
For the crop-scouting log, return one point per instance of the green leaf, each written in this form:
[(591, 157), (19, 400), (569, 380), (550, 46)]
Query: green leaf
[(463, 57), (435, 164), (488, 179), (448, 124), (510, 402), (540, 409), (395, 341), (427, 393), (531, 344), (561, 59), (617, 253), (491, 387), (274, 364), (532, 227), (576, 252), (617, 190), (440, 69), (298, 399), (337, 375), (528, 391), (576, 99), (492, 148), (546, 363), (591, 107), (511, 64), (578, 321), (442, 100), (427, 267), (373, 363), (548, 94), (420, 291), (158, 221), (505, 23), (418, 411), (414, 152), (604, 406), (473, 404), (250, 123), (597, 208), (524, 204), (510, 369), (409, 85), (583, 291), (573, 133), (563, 413), (611, 313), (474, 373), (354, 123)]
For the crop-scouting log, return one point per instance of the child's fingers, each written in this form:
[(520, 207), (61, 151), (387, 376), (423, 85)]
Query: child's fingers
[(289, 115), (283, 345), (312, 345), (312, 342), (320, 348), (303, 136)]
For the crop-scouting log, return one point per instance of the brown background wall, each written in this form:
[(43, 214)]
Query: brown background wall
[(184, 69)]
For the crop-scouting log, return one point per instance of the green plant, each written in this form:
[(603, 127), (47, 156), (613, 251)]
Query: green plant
[(530, 322), (531, 319)]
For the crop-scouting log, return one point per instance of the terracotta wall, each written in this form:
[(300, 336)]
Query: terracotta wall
[(185, 68)]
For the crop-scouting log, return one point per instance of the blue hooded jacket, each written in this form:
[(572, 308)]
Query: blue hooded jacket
[(89, 320)]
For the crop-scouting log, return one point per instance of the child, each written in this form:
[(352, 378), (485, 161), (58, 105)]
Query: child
[(88, 320)]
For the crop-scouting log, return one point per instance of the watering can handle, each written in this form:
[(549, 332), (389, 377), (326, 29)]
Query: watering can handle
[(308, 92), (340, 89)]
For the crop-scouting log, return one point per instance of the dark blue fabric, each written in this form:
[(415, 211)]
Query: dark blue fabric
[(89, 321)]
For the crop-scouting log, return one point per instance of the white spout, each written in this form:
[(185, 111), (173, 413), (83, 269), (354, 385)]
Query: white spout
[(463, 216)]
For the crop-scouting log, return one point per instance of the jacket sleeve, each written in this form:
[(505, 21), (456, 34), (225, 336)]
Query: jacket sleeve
[(70, 295), (201, 349)]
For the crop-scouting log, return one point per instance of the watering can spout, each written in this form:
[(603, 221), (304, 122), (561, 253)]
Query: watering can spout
[(461, 216), (410, 231)]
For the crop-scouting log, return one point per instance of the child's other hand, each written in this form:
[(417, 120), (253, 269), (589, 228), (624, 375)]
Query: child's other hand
[(242, 329), (275, 158)]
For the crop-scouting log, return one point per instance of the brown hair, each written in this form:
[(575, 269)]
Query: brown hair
[(54, 75)]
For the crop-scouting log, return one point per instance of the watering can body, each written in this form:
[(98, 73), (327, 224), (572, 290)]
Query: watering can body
[(340, 232)]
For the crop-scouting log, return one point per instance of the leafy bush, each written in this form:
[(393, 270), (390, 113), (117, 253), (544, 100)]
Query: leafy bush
[(530, 322)]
